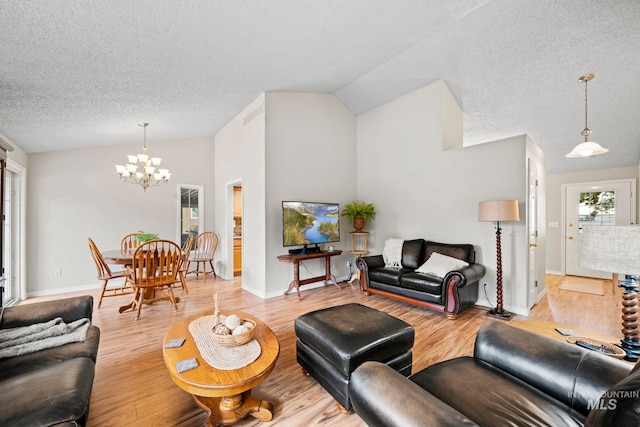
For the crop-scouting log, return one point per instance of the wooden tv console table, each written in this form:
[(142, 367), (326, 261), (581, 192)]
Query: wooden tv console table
[(295, 259)]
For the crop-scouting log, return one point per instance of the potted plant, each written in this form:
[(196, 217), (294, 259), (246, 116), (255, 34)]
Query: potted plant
[(145, 237), (359, 213)]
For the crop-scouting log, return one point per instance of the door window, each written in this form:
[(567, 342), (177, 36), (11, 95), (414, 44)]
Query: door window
[(597, 208)]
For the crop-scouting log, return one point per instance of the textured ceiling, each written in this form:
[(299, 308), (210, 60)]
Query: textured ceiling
[(82, 73)]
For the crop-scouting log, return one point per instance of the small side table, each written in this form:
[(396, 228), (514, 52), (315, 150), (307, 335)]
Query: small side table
[(359, 241), (295, 259)]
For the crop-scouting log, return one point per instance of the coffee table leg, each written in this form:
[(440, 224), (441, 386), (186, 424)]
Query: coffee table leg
[(224, 411)]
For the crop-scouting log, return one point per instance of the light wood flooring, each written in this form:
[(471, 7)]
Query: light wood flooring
[(132, 387)]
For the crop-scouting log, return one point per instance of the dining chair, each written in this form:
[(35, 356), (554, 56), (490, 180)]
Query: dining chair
[(105, 274), (156, 265), (129, 243), (206, 245), (184, 267)]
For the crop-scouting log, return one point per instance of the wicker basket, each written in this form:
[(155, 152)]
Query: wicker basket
[(235, 340), (618, 353)]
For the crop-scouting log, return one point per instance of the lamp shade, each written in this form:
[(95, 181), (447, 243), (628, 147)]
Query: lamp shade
[(613, 249), (500, 210), (586, 149)]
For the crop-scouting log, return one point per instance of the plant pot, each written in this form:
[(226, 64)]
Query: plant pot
[(358, 222)]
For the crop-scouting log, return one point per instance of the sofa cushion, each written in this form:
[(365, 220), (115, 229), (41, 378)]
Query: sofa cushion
[(13, 366), (439, 265), (69, 309), (412, 253), (392, 252), (461, 251), (387, 275), (53, 395), (422, 282), (491, 397)]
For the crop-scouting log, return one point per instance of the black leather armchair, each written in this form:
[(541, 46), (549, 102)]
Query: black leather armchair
[(451, 294), (515, 377)]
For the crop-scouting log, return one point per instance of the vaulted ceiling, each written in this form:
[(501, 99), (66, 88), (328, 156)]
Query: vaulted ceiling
[(83, 73)]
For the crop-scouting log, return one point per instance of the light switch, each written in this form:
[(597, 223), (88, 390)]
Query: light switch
[(554, 224)]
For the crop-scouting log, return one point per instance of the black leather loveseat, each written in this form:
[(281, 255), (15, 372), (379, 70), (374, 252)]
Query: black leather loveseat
[(50, 387), (515, 378), (453, 293)]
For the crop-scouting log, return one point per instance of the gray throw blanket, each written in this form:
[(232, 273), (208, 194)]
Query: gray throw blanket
[(39, 336)]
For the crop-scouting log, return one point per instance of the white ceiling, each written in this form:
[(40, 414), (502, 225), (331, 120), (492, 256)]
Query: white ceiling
[(82, 73)]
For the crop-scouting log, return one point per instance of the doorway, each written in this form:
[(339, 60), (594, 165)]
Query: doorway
[(190, 211), (535, 283), (14, 233), (594, 204), (237, 230)]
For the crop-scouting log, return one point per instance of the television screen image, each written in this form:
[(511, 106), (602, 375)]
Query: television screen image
[(308, 223)]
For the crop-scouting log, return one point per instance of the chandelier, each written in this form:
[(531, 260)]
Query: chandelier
[(586, 148), (142, 169)]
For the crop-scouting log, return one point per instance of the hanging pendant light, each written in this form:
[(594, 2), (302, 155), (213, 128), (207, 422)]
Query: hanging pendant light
[(586, 148), (142, 169)]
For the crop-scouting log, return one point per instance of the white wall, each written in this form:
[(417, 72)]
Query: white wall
[(18, 156), (554, 205), (310, 156), (283, 146), (240, 158), (419, 190), (76, 194)]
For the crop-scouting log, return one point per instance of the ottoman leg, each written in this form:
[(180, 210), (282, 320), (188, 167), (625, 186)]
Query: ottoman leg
[(343, 410)]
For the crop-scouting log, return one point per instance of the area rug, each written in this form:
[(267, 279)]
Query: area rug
[(583, 284)]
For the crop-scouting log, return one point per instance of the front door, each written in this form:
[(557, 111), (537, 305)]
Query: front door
[(596, 204)]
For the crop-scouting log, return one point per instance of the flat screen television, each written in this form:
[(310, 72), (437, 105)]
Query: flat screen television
[(310, 223)]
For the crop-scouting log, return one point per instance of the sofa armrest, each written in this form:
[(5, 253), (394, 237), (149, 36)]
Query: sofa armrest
[(364, 264), (468, 275), (383, 397), (371, 261), (69, 309)]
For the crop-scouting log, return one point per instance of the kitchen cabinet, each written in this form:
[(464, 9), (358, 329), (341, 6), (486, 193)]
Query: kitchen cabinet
[(237, 202), (237, 256)]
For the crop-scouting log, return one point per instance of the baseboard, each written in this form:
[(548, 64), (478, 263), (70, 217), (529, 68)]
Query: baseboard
[(555, 273), (56, 291), (303, 288), (520, 311)]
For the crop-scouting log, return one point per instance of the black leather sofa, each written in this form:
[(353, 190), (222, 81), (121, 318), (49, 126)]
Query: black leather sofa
[(515, 377), (451, 294), (51, 387)]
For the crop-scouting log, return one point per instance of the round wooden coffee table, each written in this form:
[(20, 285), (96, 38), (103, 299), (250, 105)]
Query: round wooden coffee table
[(225, 395)]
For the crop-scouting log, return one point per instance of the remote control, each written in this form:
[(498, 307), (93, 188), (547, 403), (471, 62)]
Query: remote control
[(599, 348)]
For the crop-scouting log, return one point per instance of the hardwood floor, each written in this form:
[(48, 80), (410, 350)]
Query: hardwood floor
[(133, 388)]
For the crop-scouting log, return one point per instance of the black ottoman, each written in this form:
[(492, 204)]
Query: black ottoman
[(334, 341)]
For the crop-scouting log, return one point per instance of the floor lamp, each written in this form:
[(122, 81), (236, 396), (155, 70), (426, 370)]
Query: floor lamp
[(497, 211), (616, 249)]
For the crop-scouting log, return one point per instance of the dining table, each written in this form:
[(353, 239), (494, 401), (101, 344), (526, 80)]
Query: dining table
[(117, 257)]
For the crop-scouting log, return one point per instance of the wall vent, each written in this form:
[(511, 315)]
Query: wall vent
[(255, 113)]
